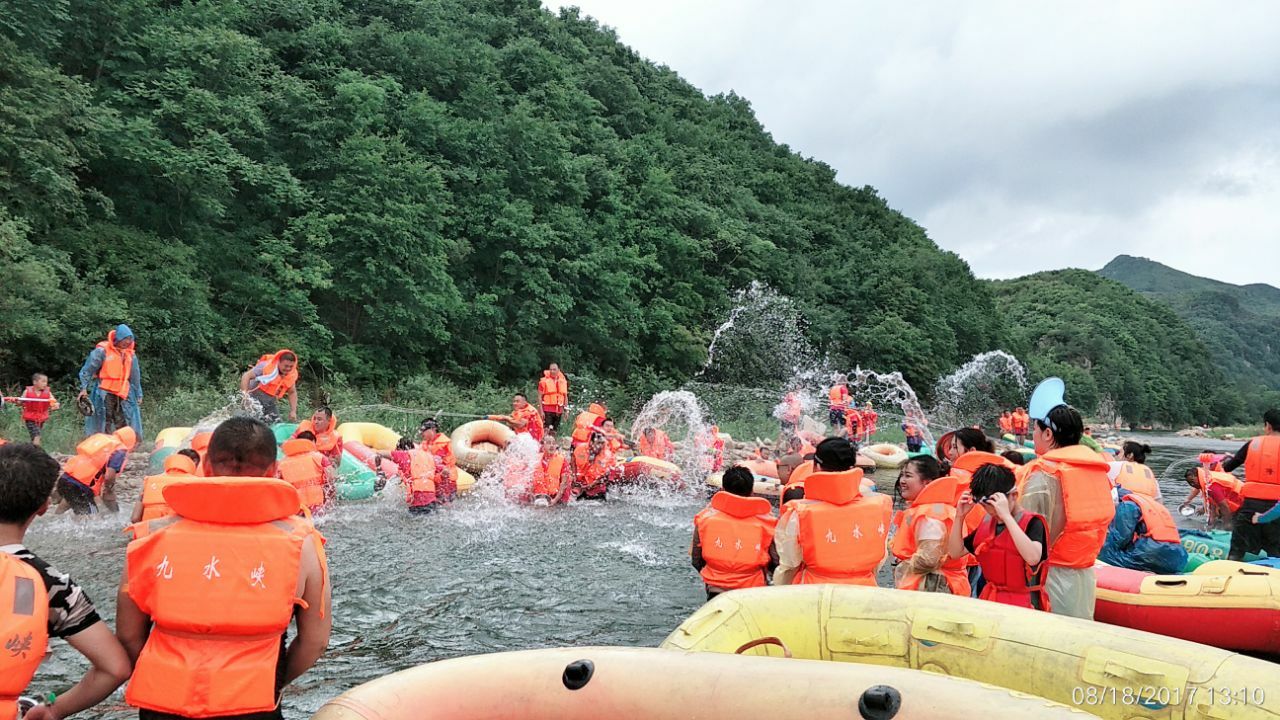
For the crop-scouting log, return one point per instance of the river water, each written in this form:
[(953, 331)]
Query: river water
[(482, 576)]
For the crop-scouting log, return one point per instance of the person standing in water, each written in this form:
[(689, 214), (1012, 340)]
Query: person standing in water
[(593, 465), (446, 465), (837, 404), (524, 418), (111, 381), (38, 602), (236, 543), (270, 379), (553, 392), (1261, 491)]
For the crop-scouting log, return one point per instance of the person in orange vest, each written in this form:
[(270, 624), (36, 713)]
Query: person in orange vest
[(553, 392), (1020, 422), (38, 602), (1011, 544), (270, 379), (553, 476), (837, 532), (1221, 491), (417, 474), (524, 418), (1131, 471), (209, 593), (151, 505), (853, 424), (308, 470), (36, 401), (732, 544), (915, 438), (587, 422), (1068, 485), (655, 443), (790, 412), (837, 404), (921, 530), (1260, 458), (1006, 423), (593, 466), (1143, 536), (446, 466), (870, 418), (111, 382), (799, 452), (616, 440), (970, 444), (323, 426), (93, 470)]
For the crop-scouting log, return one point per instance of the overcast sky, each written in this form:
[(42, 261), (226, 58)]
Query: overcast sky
[(1024, 136)]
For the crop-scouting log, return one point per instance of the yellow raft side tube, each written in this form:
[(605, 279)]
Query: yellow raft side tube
[(172, 437), (644, 683), (1221, 584), (1110, 671), (476, 444), (371, 435)]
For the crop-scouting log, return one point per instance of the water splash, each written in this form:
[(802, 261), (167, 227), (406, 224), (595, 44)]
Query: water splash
[(980, 389), (762, 342), (890, 389), (682, 417), (510, 476)]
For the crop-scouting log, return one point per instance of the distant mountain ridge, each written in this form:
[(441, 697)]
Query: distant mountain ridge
[(1239, 323)]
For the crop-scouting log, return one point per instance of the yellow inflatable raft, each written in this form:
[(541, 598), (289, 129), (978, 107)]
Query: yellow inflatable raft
[(466, 481), (477, 443), (371, 435), (885, 455), (172, 437), (648, 684), (1112, 672)]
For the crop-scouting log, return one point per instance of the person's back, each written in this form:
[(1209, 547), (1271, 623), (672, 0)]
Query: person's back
[(303, 467), (1143, 536), (733, 536), (92, 471), (152, 505), (209, 592)]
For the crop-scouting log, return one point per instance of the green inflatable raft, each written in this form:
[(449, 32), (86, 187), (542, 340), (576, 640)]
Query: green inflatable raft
[(1205, 545), (355, 480), (155, 465)]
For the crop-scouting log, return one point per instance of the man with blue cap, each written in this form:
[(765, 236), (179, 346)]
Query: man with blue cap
[(111, 380), (1067, 483)]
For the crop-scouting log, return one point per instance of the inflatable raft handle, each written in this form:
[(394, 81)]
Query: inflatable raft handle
[(1132, 674), (1171, 583), (786, 651), (952, 627)]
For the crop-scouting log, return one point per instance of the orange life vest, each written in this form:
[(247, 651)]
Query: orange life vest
[(532, 419), (586, 421), (422, 472), (328, 442), (936, 501), (1020, 422), (869, 418), (1087, 504), (852, 421), (303, 468), (220, 584), (1262, 468), (660, 448), (176, 467), (547, 475), (735, 533), (554, 391), (24, 627), (838, 396), (1159, 522), (1138, 478), (117, 367), (841, 531), (1226, 480), (90, 460), (272, 382), (1006, 423), (591, 472)]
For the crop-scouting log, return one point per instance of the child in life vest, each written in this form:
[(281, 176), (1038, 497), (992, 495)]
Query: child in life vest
[(1011, 544), (36, 402)]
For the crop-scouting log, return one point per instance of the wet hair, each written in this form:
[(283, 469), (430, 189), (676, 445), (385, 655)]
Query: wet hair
[(306, 435), (991, 479), (795, 492), (291, 357), (27, 475), (190, 454), (795, 441), (38, 376), (1272, 418), (1139, 451), (974, 439), (242, 446), (1066, 425), (926, 466), (428, 424), (739, 481), (1014, 457), (836, 454), (325, 410), (404, 443)]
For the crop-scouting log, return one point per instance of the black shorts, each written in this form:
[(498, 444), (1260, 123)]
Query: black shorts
[(551, 420), (1249, 538), (603, 495), (835, 417), (79, 497), (34, 428)]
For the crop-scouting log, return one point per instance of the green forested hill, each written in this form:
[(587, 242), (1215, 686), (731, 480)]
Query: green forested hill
[(1240, 324), (405, 186), (1115, 348)]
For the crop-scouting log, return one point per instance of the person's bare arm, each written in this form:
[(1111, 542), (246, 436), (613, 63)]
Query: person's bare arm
[(109, 668), (314, 621), (293, 404), (245, 379), (136, 515), (132, 625), (955, 539)]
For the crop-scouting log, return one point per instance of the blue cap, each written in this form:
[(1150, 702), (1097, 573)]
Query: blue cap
[(123, 332), (1049, 394)]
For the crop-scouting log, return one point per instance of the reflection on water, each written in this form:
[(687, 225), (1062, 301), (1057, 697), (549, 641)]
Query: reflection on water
[(481, 577)]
